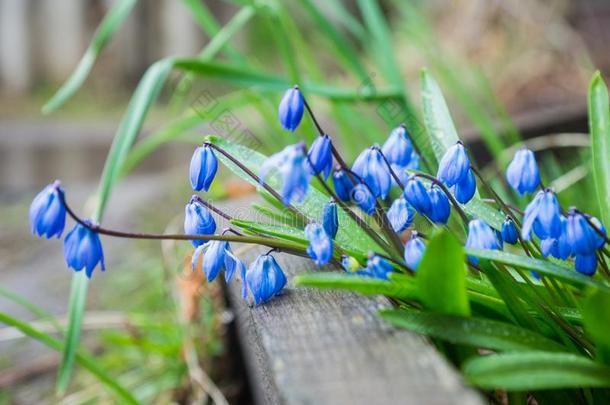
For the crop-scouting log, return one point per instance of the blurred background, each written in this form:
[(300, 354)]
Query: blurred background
[(510, 70)]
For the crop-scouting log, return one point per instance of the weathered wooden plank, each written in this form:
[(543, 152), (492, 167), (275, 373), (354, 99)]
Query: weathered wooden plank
[(313, 346)]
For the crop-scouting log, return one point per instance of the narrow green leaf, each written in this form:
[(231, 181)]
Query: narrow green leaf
[(596, 315), (82, 359), (471, 331), (550, 269), (599, 125), (107, 27), (441, 276), (535, 370), (405, 289)]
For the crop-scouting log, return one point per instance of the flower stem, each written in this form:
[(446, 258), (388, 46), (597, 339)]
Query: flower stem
[(454, 202), (313, 117), (213, 208), (496, 197)]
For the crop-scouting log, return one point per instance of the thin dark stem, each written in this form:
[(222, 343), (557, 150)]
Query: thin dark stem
[(392, 172), (253, 175), (594, 226), (212, 207), (313, 117), (496, 196), (454, 202), (512, 207)]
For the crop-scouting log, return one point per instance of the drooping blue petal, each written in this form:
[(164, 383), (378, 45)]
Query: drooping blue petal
[(416, 194), (290, 163), (580, 235), (465, 189), (320, 247), (47, 212), (198, 220), (330, 219), (371, 167), (232, 263), (400, 215), (398, 148), (509, 231), (522, 173), (549, 216), (320, 158), (439, 206), (414, 251), (481, 236), (600, 240), (291, 109), (83, 249), (362, 197), (203, 168), (586, 264), (377, 267), (214, 259), (343, 185), (265, 279), (454, 165)]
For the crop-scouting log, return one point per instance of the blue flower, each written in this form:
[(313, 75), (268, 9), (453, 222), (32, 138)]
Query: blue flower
[(291, 165), (600, 240), (203, 168), (414, 251), (47, 212), (362, 197), (320, 247), (291, 108), (198, 220), (439, 205), (454, 165), (265, 278), (481, 236), (509, 231), (398, 148), (343, 185), (218, 255), (330, 220), (557, 247), (543, 215), (83, 249), (400, 215), (581, 237), (320, 158), (522, 173), (416, 194), (377, 267), (465, 189), (586, 264), (371, 167)]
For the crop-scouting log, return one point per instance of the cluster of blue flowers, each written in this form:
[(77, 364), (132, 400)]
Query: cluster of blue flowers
[(367, 184)]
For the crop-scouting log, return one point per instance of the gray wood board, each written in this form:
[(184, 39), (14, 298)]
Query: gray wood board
[(312, 346)]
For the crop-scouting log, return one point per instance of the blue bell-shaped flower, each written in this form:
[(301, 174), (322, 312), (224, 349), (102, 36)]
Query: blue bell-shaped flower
[(198, 220), (400, 215), (398, 148), (217, 256), (600, 240), (320, 158), (320, 247), (83, 249), (465, 189), (330, 218), (362, 197), (557, 247), (440, 209), (586, 264), (581, 237), (454, 165), (415, 193), (203, 168), (481, 236), (291, 108), (543, 215), (343, 185), (47, 212), (265, 278), (414, 251), (377, 267), (509, 231), (522, 173), (373, 170), (290, 163)]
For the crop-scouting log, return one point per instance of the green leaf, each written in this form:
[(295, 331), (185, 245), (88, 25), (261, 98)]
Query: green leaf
[(476, 332), (599, 125), (441, 276), (405, 289), (596, 315), (104, 32), (544, 267), (350, 234), (33, 308), (82, 359), (535, 371)]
